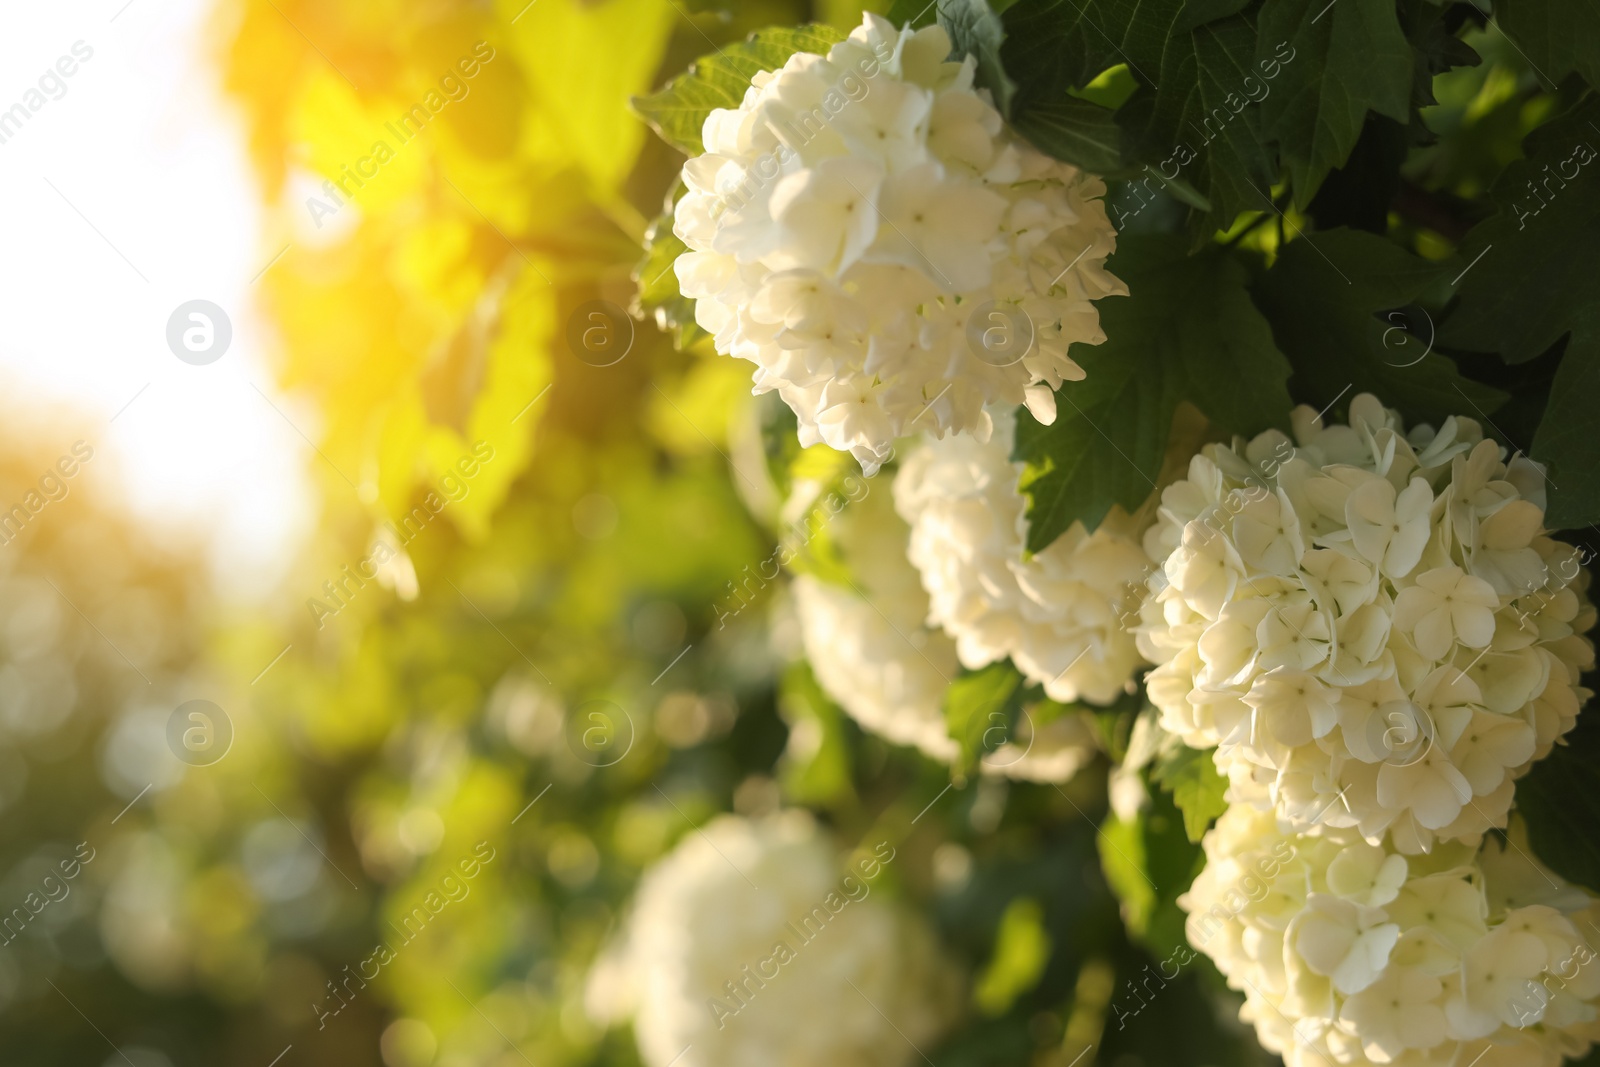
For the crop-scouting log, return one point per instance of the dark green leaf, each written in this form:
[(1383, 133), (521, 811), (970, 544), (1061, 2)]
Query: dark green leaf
[(1196, 114), (1528, 280), (1150, 862), (1567, 440), (1201, 123), (976, 30), (678, 112), (1344, 59), (1557, 37), (1199, 12), (1055, 45), (1323, 297), (914, 13), (1197, 788), (1559, 800), (979, 710), (1075, 131), (1187, 331), (1438, 50), (1358, 193)]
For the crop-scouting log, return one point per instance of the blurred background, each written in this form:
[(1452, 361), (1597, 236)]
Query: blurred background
[(330, 558)]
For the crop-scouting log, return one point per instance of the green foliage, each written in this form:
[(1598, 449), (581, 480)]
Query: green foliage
[(1323, 298), (719, 80), (1197, 787), (1150, 862), (1021, 949), (980, 708), (821, 776), (1347, 59), (1560, 37), (914, 13), (1187, 331), (1529, 283), (1230, 92), (1082, 133), (657, 293), (975, 30), (1559, 801)]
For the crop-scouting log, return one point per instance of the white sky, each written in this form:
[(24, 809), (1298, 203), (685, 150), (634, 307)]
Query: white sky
[(143, 145)]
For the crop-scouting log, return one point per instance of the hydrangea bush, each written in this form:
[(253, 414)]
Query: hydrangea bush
[(1200, 489)]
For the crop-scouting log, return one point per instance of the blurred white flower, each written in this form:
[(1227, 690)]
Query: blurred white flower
[(1368, 624), (1348, 953), (753, 945), (855, 221), (1063, 615), (875, 650)]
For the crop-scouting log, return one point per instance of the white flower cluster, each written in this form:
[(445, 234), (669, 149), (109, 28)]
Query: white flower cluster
[(1350, 953), (744, 946), (1370, 624), (862, 224), (1061, 614), (873, 652)]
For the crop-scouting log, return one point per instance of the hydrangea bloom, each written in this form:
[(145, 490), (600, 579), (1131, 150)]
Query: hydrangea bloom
[(1351, 953), (1369, 623), (862, 224), (745, 943), (873, 653), (1062, 615)]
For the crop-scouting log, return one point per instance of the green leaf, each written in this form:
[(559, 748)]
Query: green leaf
[(1344, 59), (976, 30), (1055, 45), (1558, 37), (1191, 117), (656, 294), (1566, 439), (1527, 281), (979, 707), (1187, 331), (1021, 950), (1074, 131), (1197, 788), (1198, 121), (1323, 297), (678, 112), (1559, 801), (1150, 862), (822, 776), (913, 13)]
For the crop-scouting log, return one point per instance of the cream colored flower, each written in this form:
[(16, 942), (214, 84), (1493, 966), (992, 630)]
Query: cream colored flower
[(752, 934), (876, 651), (1367, 624), (852, 220), (1062, 615), (1350, 953), (1446, 606)]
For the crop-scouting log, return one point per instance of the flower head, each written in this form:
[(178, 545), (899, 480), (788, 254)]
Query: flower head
[(877, 648), (1350, 953), (1062, 615), (1369, 624), (750, 932), (866, 230)]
